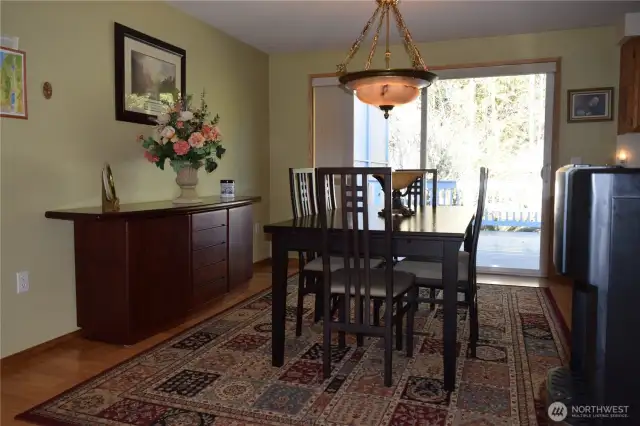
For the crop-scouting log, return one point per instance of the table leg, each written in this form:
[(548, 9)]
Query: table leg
[(450, 280), (279, 263)]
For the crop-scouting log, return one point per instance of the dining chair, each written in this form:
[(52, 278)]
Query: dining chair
[(429, 274), (303, 185), (356, 281), (416, 191)]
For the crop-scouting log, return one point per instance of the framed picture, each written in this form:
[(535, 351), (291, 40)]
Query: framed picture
[(590, 105), (13, 92), (147, 71)]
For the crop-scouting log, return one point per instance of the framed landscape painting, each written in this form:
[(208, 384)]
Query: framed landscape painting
[(148, 71), (590, 105), (13, 78)]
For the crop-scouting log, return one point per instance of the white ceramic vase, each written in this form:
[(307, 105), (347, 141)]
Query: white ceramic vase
[(187, 180)]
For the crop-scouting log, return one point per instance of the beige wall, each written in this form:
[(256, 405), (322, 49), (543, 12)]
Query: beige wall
[(53, 159), (590, 58)]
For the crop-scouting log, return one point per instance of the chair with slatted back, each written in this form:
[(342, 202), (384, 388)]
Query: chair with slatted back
[(416, 191), (303, 190), (356, 281), (429, 274)]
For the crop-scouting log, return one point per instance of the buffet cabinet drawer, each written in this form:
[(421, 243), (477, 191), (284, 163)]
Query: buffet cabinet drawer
[(208, 220), (209, 273), (209, 237), (209, 290), (209, 255)]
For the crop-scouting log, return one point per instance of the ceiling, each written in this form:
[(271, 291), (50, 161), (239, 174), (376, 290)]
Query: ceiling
[(303, 25)]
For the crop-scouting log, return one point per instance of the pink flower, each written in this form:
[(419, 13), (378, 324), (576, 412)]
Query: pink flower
[(151, 157), (216, 133), (207, 131), (140, 138), (196, 140), (181, 147), (180, 124)]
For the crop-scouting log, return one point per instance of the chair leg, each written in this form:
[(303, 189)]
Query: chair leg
[(413, 301), (326, 336), (473, 312), (342, 312), (360, 336), (300, 306), (388, 345), (399, 325), (432, 295), (317, 316), (376, 312)]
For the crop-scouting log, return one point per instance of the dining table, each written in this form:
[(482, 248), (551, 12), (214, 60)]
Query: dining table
[(434, 233)]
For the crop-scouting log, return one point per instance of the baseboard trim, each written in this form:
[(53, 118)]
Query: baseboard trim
[(37, 349)]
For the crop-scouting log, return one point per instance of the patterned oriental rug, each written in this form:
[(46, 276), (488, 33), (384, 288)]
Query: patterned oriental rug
[(219, 373)]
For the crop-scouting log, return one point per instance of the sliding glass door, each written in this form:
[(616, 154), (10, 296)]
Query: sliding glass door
[(498, 118)]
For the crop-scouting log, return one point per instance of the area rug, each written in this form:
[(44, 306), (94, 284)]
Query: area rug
[(219, 373)]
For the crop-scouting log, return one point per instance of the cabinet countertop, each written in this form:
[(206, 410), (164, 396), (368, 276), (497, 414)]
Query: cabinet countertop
[(152, 209)]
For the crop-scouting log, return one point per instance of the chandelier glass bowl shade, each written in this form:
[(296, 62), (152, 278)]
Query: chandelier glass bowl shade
[(386, 88)]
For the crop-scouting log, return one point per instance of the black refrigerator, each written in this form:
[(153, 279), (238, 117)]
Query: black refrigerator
[(597, 245)]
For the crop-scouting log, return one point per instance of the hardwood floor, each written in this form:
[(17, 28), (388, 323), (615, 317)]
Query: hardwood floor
[(35, 376)]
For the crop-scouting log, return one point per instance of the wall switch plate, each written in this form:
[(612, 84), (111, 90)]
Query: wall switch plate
[(256, 228), (22, 279)]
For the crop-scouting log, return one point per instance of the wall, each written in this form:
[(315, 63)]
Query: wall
[(53, 159), (590, 58)]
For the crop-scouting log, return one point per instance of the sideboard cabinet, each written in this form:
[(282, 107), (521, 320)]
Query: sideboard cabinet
[(145, 267)]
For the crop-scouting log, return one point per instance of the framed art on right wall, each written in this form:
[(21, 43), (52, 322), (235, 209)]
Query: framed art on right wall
[(590, 105)]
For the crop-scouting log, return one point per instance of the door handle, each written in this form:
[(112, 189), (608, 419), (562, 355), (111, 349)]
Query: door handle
[(543, 175)]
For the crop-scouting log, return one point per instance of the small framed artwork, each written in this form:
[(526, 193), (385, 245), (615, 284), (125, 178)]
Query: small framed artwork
[(590, 105), (13, 92), (148, 71)]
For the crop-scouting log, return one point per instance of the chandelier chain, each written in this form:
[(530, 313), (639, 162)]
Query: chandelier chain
[(409, 45), (342, 68), (374, 45)]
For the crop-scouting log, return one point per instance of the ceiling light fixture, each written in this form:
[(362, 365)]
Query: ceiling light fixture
[(388, 87)]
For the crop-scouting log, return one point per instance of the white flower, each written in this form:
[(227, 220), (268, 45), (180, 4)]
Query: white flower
[(163, 118), (174, 139), (186, 115), (162, 141), (168, 132)]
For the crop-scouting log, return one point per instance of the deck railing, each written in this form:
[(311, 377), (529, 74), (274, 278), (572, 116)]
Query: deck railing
[(450, 195)]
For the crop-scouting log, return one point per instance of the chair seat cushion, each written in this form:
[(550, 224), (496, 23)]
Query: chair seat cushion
[(432, 271), (402, 281), (336, 262)]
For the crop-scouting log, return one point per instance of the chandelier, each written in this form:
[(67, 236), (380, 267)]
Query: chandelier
[(386, 88)]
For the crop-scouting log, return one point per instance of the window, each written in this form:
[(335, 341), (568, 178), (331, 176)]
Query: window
[(370, 136)]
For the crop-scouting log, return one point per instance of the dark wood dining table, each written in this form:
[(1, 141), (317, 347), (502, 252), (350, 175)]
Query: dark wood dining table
[(436, 233)]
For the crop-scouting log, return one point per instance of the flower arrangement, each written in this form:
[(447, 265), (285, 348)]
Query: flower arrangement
[(187, 137)]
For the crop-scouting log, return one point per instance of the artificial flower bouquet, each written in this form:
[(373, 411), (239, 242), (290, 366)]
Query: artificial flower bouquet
[(185, 136)]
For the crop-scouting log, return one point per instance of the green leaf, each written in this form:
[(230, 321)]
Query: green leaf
[(210, 165), (147, 143), (220, 151)]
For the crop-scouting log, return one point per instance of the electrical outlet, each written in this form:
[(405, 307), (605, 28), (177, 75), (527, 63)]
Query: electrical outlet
[(23, 281)]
